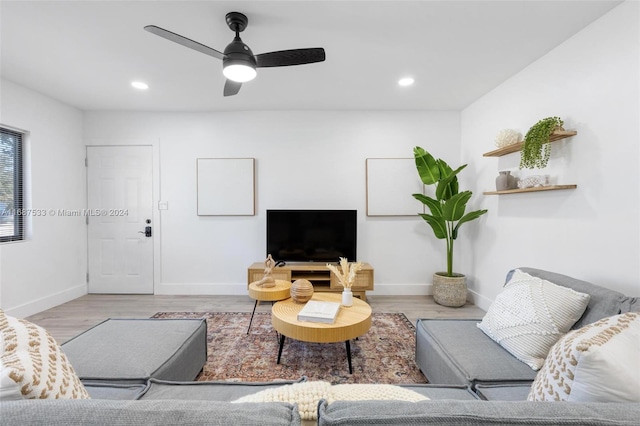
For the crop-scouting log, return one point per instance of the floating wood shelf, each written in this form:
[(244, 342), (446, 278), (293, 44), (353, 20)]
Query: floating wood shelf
[(515, 147), (534, 189)]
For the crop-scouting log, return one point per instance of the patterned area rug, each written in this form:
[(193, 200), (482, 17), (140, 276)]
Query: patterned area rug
[(385, 354)]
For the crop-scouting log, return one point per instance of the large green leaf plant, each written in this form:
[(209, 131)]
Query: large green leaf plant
[(448, 208)]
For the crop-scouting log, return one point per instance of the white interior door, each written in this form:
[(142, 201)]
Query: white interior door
[(120, 203)]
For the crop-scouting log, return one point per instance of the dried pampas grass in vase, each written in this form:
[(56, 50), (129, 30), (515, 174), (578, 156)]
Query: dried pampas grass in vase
[(346, 276)]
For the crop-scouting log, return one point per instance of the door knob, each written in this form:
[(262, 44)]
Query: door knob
[(146, 232)]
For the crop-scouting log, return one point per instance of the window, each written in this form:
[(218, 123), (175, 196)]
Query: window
[(12, 211)]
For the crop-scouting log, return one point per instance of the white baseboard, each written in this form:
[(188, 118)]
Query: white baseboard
[(47, 302), (402, 289), (209, 289), (479, 300), (425, 290)]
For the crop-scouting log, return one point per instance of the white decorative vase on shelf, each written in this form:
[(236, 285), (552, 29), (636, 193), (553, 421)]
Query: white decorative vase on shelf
[(347, 297), (502, 181)]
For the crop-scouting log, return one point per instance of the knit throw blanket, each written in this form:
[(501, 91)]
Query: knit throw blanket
[(308, 394)]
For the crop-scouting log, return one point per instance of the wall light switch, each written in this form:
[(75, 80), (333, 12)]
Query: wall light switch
[(163, 205)]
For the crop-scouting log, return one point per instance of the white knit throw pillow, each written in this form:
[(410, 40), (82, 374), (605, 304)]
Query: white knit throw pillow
[(530, 315), (32, 365), (308, 394)]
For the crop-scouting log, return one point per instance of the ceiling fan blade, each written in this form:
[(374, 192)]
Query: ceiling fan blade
[(187, 42), (231, 87), (284, 58)]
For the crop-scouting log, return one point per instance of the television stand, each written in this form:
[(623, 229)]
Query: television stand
[(318, 274)]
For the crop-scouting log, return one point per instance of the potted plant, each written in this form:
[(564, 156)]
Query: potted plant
[(535, 150), (447, 215)]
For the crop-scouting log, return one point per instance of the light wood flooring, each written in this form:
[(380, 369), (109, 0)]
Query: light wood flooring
[(71, 318)]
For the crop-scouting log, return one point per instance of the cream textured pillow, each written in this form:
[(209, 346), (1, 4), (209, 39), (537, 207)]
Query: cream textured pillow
[(308, 394), (32, 365), (598, 363), (374, 392), (530, 315)]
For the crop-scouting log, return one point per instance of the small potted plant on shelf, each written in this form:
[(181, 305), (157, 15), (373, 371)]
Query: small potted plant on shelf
[(446, 217), (535, 150)]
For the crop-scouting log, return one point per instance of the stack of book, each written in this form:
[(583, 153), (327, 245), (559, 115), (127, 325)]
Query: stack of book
[(316, 311)]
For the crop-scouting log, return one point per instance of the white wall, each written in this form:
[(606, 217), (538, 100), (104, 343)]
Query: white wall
[(49, 267), (304, 160), (592, 232)]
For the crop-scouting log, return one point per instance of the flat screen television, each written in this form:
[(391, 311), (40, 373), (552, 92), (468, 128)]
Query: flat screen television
[(312, 235)]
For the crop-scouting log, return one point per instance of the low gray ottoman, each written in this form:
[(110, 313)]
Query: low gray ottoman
[(134, 350)]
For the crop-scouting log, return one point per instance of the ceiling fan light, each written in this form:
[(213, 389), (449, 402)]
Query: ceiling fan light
[(406, 81), (239, 72), (140, 85)]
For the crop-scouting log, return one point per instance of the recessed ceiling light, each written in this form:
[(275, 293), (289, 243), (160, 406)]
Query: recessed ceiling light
[(406, 81), (140, 85)]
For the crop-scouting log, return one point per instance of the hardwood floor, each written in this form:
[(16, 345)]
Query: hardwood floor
[(71, 318)]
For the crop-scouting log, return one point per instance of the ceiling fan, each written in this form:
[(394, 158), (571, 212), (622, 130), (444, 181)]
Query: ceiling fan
[(238, 61)]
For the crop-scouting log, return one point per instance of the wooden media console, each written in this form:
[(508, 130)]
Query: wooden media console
[(318, 274)]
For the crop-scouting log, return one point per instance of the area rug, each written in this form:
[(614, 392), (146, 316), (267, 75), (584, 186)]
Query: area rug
[(385, 354)]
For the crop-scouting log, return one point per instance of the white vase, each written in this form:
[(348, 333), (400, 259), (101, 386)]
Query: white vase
[(347, 297)]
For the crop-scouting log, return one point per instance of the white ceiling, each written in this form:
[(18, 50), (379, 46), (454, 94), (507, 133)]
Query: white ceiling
[(85, 53)]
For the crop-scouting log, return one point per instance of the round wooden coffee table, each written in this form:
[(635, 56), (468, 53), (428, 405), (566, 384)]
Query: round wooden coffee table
[(350, 323), (281, 291)]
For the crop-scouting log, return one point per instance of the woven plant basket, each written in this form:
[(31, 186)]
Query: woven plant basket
[(449, 291)]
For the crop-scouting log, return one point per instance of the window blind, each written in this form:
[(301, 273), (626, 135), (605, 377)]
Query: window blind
[(12, 211)]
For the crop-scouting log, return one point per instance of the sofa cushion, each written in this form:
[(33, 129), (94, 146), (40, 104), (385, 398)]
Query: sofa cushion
[(457, 352), (452, 412), (168, 349), (602, 301), (504, 392), (432, 391), (116, 391), (95, 412), (32, 365), (631, 304), (530, 315), (597, 363), (209, 390)]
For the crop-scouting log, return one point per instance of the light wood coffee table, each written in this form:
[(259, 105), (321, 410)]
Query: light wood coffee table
[(280, 291), (350, 323)]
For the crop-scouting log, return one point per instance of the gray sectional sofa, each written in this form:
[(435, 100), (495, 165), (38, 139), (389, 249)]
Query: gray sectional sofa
[(141, 372), (458, 352)]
